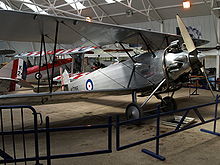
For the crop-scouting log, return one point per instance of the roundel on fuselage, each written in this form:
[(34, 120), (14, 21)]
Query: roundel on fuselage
[(89, 85)]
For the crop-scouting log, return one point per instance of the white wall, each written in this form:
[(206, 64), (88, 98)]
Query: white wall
[(210, 62), (205, 24)]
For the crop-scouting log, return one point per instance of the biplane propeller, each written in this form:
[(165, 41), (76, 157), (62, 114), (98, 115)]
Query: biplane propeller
[(195, 63)]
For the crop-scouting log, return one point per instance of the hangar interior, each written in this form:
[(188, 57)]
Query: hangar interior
[(71, 129), (156, 16)]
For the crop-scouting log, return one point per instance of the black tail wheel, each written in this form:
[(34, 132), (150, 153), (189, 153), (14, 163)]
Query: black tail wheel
[(133, 111), (168, 104)]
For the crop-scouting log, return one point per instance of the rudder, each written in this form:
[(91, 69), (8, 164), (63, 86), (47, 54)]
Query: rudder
[(15, 69)]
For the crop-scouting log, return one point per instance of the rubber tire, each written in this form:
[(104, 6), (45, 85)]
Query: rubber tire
[(169, 103), (133, 111)]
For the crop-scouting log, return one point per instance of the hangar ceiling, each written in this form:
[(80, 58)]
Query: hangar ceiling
[(115, 11)]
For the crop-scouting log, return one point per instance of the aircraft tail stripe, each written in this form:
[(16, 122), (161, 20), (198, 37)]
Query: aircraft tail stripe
[(14, 75)]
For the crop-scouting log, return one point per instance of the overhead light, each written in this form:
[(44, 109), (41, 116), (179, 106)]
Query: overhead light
[(33, 7), (75, 4), (112, 1), (186, 4), (88, 19), (4, 6)]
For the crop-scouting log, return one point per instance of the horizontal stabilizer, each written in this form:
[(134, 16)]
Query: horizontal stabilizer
[(24, 83), (46, 88)]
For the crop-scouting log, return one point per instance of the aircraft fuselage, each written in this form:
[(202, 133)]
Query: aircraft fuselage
[(149, 71)]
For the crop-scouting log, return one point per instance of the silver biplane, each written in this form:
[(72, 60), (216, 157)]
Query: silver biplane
[(163, 68)]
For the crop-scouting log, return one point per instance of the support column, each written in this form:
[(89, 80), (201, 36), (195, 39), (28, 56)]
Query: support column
[(218, 51), (162, 26)]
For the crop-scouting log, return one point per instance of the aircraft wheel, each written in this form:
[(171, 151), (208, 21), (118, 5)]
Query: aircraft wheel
[(133, 111), (168, 104)]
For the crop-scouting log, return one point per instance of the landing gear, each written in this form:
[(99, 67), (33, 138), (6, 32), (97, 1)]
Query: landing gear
[(168, 104), (133, 111)]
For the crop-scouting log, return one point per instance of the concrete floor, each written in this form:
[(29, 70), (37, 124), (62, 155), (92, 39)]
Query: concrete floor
[(188, 147)]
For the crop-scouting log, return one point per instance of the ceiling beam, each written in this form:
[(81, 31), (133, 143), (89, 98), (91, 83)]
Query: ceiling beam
[(134, 9), (157, 8), (104, 12), (55, 9), (149, 2)]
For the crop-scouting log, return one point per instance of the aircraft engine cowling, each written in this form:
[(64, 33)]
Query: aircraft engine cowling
[(176, 64)]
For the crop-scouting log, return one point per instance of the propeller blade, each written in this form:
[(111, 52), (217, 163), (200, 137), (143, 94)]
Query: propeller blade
[(193, 58), (185, 34), (196, 65)]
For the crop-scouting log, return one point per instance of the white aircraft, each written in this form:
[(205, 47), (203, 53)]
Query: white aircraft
[(63, 59), (164, 68)]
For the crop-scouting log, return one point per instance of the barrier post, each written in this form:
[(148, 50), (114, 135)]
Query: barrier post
[(110, 133), (153, 154), (215, 119), (48, 140), (117, 133)]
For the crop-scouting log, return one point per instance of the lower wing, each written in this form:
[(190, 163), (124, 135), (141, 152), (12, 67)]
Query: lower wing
[(64, 96)]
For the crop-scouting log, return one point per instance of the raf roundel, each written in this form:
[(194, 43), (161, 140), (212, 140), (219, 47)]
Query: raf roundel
[(89, 85)]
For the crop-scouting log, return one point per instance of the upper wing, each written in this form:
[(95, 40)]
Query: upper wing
[(21, 26)]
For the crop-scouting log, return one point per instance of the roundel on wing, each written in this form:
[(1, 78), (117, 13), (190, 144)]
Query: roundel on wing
[(89, 85), (38, 75)]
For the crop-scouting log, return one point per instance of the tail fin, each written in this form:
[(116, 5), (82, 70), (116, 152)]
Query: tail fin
[(65, 78), (16, 69)]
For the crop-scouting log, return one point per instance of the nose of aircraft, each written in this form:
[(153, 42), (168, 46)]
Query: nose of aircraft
[(177, 64)]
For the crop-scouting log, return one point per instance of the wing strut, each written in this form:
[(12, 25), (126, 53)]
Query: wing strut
[(38, 76), (147, 45), (45, 55), (42, 49), (127, 52), (134, 62), (55, 47), (132, 73)]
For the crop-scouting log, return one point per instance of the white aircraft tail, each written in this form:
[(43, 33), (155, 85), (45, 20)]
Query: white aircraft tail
[(15, 70), (65, 78)]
